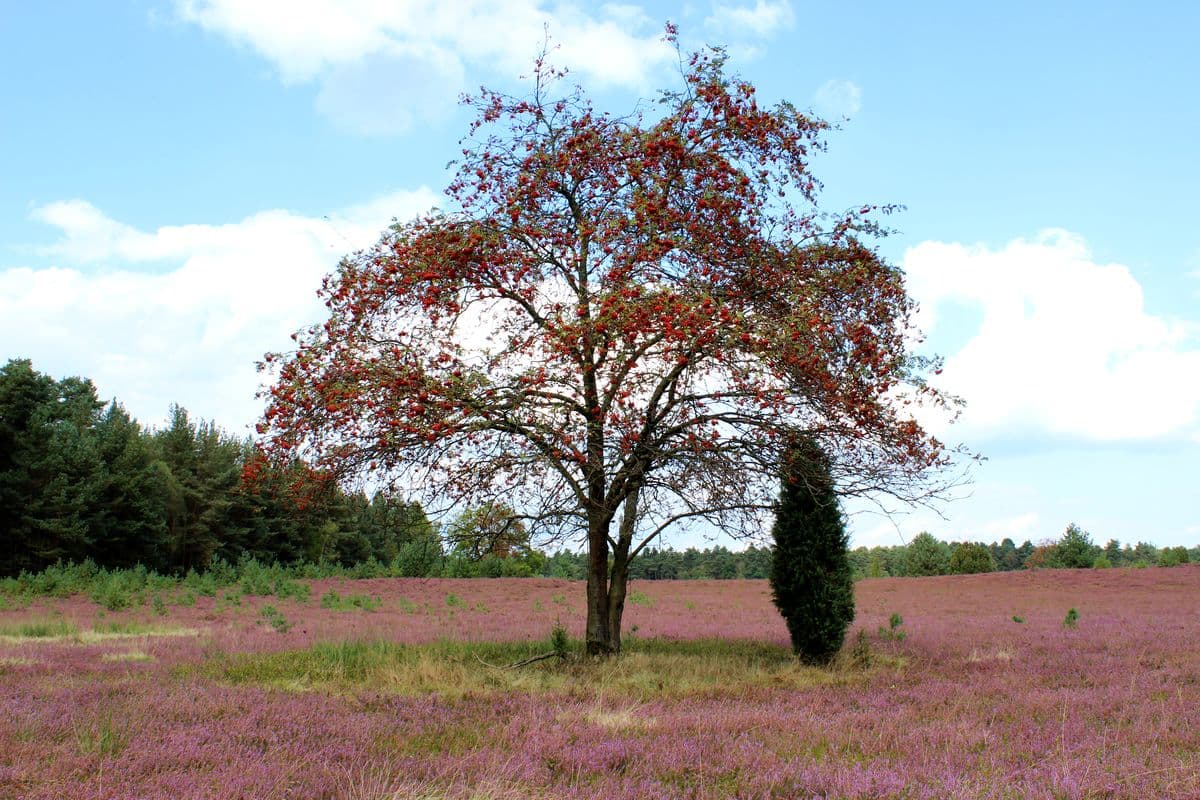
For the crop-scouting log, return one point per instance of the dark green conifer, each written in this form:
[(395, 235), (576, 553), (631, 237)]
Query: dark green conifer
[(811, 578)]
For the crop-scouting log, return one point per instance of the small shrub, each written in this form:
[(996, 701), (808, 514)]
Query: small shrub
[(640, 599), (112, 594), (256, 580), (159, 606), (454, 601), (1102, 562), (893, 631), (1018, 620), (1072, 619), (286, 587), (276, 619), (861, 656), (560, 643)]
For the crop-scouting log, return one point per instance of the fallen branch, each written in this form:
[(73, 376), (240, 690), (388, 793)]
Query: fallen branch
[(522, 663)]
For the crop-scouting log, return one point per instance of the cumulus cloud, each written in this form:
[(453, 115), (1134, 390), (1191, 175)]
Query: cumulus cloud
[(367, 54), (837, 99), (190, 332), (1064, 345)]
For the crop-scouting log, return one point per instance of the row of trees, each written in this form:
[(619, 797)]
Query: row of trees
[(81, 479), (927, 555)]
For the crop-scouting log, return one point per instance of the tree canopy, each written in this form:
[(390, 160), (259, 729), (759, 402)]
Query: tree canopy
[(617, 324)]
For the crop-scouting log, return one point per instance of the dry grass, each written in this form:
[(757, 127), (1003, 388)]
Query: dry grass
[(61, 630), (648, 669), (127, 655)]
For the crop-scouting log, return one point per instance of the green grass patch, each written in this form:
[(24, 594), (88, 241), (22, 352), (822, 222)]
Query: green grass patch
[(640, 599), (647, 668), (104, 738), (333, 601), (39, 629), (120, 630)]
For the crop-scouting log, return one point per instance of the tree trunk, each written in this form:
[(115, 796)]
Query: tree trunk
[(619, 581), (597, 638)]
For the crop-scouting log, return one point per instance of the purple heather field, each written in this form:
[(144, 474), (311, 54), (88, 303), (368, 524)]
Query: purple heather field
[(969, 703)]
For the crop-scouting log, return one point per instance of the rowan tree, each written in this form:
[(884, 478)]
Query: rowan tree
[(614, 327)]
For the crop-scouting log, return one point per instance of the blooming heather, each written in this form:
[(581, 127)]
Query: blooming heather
[(968, 705)]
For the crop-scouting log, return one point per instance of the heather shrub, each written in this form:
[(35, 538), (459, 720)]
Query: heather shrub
[(811, 580)]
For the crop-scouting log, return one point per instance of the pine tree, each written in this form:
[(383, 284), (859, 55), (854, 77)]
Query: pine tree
[(811, 579), (129, 522)]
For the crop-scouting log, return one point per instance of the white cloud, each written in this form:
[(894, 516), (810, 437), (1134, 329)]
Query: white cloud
[(190, 334), (384, 92), (1065, 346), (764, 18), (837, 99), (367, 54)]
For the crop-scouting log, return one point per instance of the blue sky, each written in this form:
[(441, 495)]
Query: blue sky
[(176, 177)]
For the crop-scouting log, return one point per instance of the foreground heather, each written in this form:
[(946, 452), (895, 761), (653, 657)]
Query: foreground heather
[(970, 704)]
